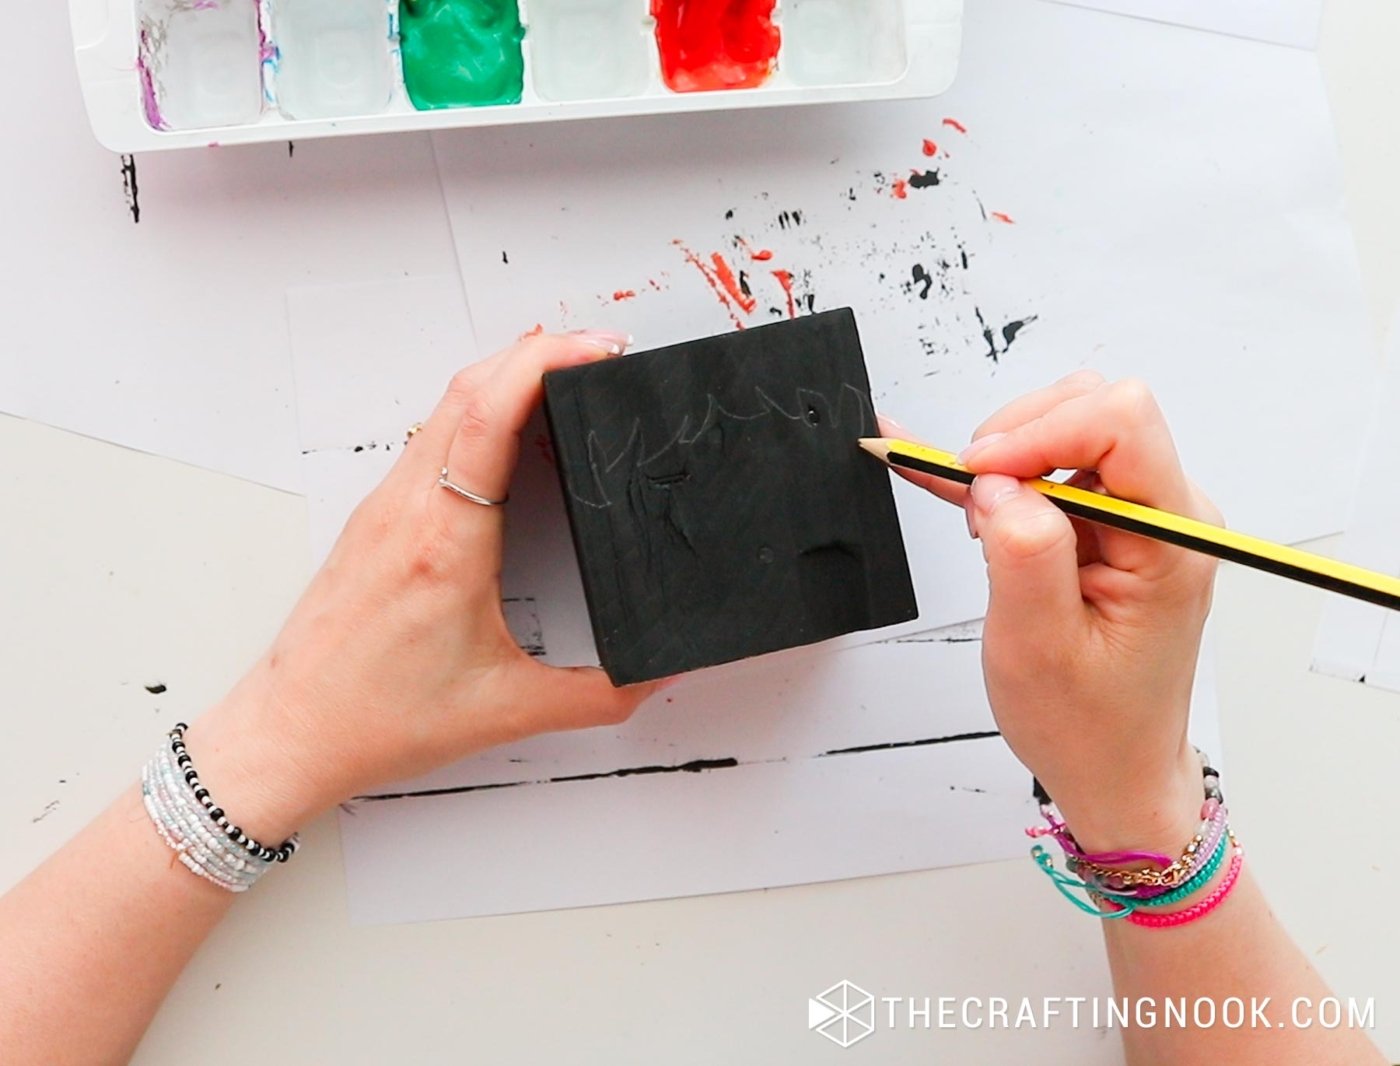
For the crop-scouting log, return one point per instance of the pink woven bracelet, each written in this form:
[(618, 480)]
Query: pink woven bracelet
[(1198, 910)]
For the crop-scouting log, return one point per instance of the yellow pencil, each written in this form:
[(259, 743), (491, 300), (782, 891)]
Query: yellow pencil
[(1164, 526)]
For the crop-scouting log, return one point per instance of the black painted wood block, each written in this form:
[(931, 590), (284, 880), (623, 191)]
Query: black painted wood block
[(719, 503)]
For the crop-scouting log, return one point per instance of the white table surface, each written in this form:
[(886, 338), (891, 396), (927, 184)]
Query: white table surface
[(119, 570)]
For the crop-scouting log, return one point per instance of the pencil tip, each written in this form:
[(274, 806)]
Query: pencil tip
[(876, 446)]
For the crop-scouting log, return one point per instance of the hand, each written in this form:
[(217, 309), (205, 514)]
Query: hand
[(397, 659), (1092, 633)]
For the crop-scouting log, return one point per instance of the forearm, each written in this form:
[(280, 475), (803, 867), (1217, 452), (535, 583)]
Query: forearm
[(95, 937), (1239, 950)]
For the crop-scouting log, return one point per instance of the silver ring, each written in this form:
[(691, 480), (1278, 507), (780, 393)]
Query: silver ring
[(467, 494)]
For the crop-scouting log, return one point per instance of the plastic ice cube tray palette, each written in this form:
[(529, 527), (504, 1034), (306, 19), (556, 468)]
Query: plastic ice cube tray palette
[(181, 73)]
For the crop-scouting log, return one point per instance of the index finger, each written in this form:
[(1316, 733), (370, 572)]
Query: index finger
[(1117, 429)]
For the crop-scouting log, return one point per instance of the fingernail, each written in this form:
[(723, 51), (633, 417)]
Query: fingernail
[(612, 343), (977, 445), (990, 491), (893, 423)]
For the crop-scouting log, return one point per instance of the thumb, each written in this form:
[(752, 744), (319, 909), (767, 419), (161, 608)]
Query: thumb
[(1030, 547)]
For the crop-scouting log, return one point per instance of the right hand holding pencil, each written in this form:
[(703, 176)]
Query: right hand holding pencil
[(1092, 633)]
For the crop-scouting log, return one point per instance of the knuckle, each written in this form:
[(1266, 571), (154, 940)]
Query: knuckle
[(1028, 538), (463, 384), (1131, 400), (1087, 379), (478, 416)]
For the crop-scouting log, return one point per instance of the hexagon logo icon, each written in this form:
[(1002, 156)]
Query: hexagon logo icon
[(844, 1013)]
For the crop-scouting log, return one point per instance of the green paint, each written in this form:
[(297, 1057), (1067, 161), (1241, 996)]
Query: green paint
[(461, 53)]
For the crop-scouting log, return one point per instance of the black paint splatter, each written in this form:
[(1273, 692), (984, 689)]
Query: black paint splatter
[(922, 277), (156, 689), (695, 766), (992, 353), (926, 179), (744, 283), (1009, 333), (49, 808), (923, 743), (1011, 329), (505, 258), (963, 253), (291, 149), (789, 219), (129, 187), (729, 215)]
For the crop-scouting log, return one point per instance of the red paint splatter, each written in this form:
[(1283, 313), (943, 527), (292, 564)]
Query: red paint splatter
[(955, 124), (533, 331), (785, 280), (713, 282), (731, 285), (715, 44), (624, 294), (654, 284), (930, 148), (900, 189), (1002, 216), (761, 255)]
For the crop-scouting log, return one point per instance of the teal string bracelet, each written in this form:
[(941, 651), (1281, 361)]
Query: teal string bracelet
[(1065, 885), (1196, 883)]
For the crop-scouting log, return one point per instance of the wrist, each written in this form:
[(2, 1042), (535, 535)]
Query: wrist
[(256, 768), (1158, 813)]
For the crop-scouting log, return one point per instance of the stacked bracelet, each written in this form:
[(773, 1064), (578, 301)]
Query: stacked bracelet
[(1114, 890), (206, 841)]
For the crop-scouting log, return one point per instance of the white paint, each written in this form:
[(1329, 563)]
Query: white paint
[(588, 49), (833, 42), (203, 59)]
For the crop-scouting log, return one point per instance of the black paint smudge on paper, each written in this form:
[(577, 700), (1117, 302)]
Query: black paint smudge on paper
[(130, 188)]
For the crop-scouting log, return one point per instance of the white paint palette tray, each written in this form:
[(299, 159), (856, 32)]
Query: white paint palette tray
[(181, 73)]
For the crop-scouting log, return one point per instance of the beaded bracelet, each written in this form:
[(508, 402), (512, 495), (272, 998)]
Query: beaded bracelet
[(1118, 894), (1198, 910), (185, 816)]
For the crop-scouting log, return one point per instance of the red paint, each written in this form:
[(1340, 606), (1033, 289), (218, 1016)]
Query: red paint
[(624, 294), (725, 275), (955, 124), (930, 149), (762, 255), (785, 280), (713, 282), (715, 44), (1002, 216), (533, 331), (900, 188)]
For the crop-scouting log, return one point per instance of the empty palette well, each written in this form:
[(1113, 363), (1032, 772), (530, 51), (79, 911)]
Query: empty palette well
[(842, 42), (588, 49), (200, 62), (333, 57)]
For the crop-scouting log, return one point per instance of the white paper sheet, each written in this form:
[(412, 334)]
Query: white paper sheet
[(1360, 641), (868, 761), (170, 335), (1188, 230), (1290, 22)]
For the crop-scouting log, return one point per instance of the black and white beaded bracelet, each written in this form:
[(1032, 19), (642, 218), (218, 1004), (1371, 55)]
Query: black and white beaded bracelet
[(281, 853)]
